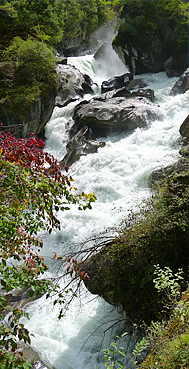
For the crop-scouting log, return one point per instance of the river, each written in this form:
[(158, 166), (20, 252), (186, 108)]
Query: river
[(118, 176)]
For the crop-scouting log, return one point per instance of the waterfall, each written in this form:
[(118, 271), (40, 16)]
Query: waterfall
[(118, 175)]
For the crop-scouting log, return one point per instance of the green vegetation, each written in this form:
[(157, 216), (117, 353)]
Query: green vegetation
[(111, 354), (29, 32), (53, 20), (27, 72), (122, 272), (141, 17), (167, 341)]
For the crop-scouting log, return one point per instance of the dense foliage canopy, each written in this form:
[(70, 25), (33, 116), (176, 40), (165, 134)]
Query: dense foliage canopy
[(141, 16), (53, 20)]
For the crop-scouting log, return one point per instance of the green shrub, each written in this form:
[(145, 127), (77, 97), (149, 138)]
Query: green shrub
[(169, 340), (28, 72)]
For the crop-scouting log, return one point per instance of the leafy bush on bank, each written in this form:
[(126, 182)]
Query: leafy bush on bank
[(33, 188)]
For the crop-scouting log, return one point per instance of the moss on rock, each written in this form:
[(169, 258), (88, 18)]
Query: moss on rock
[(28, 83), (122, 272)]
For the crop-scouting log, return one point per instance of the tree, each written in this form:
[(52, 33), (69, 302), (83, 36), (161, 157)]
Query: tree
[(33, 188), (27, 72)]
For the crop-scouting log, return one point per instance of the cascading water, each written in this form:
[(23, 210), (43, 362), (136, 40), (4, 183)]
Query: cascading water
[(118, 175)]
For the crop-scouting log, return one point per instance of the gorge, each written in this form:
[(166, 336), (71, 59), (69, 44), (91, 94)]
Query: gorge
[(118, 175), (119, 128)]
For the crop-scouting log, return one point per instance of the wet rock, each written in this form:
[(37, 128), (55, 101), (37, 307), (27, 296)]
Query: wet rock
[(72, 85), (182, 85), (87, 85), (184, 130), (160, 174), (117, 114), (116, 82), (120, 92), (147, 93), (136, 83), (176, 64), (78, 146), (31, 354), (125, 92)]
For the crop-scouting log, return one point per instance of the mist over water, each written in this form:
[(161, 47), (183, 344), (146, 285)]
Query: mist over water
[(118, 175)]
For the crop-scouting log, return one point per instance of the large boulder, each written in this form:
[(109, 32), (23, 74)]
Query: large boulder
[(153, 58), (182, 85), (115, 114), (72, 85)]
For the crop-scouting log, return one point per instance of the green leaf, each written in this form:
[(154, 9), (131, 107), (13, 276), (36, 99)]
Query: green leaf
[(114, 345), (120, 364), (122, 353)]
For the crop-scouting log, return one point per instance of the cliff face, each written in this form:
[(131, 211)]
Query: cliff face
[(153, 37), (35, 120)]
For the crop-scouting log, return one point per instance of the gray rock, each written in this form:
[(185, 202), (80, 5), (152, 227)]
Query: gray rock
[(184, 130), (31, 354), (36, 119), (78, 146), (120, 92), (117, 114), (136, 83), (72, 85), (160, 174), (182, 85), (125, 92), (116, 82), (148, 93)]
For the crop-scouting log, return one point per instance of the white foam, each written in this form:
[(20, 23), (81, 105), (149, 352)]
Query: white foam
[(118, 176)]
